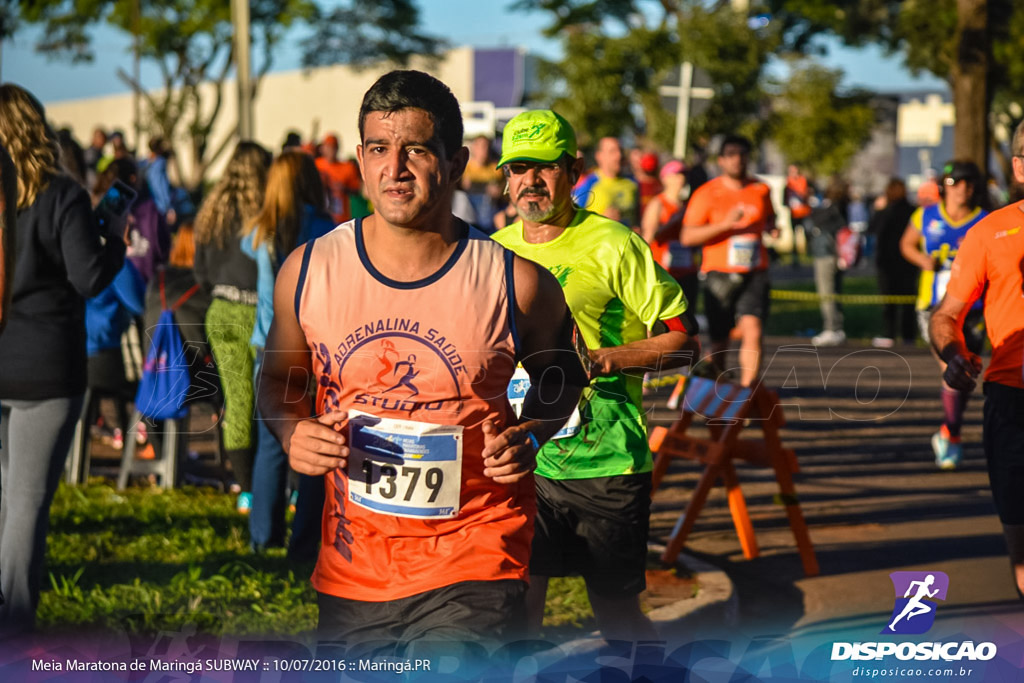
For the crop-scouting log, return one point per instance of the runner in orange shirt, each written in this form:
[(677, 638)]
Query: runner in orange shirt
[(429, 510), (797, 197), (991, 261), (341, 179), (727, 216)]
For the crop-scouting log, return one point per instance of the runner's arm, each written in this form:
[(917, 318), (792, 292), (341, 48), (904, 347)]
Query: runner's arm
[(672, 343), (556, 374), (649, 221), (947, 337), (911, 250), (315, 445), (695, 235)]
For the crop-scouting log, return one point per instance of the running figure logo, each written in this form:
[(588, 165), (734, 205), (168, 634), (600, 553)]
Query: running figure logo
[(914, 611), (410, 373)]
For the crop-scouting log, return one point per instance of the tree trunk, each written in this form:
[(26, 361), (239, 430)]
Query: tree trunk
[(969, 81)]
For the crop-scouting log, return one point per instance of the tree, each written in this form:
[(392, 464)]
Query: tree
[(191, 43), (972, 44), (630, 47), (816, 127)]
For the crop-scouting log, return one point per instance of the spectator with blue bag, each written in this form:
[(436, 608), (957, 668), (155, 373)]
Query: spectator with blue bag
[(294, 212)]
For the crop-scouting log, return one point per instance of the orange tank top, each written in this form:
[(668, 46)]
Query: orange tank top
[(669, 253), (419, 366)]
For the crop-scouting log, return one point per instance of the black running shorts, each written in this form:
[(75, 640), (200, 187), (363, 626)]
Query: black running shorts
[(485, 613), (1004, 449), (730, 296), (596, 528)]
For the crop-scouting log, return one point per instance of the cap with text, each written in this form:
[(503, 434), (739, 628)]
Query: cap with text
[(538, 135)]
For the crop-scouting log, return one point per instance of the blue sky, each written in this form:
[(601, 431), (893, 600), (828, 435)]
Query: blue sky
[(482, 23)]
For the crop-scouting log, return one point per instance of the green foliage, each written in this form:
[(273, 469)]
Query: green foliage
[(618, 52), (926, 33), (720, 42), (817, 128), (360, 33), (600, 92), (191, 43)]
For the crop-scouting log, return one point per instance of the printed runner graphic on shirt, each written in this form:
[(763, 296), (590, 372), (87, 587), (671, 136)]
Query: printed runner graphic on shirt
[(392, 370), (414, 367), (404, 467)]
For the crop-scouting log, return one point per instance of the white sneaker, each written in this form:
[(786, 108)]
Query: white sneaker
[(829, 338), (883, 342)]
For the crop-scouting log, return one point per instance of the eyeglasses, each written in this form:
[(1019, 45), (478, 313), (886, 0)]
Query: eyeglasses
[(950, 182), (521, 168)]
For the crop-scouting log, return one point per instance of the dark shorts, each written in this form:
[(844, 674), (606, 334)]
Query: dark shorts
[(729, 296), (596, 528), (1004, 449), (485, 614)]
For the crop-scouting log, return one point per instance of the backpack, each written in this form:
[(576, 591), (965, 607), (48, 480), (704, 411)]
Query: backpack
[(166, 376), (848, 248)]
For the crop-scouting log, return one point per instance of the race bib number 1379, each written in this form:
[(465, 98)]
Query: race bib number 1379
[(404, 467)]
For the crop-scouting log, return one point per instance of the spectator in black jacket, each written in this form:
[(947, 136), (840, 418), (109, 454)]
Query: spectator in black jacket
[(896, 275), (61, 259), (8, 216)]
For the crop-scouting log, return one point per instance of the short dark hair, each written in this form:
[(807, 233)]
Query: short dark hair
[(738, 140), (399, 90)]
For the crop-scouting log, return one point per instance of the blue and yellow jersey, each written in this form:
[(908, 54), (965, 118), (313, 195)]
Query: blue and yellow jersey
[(940, 239)]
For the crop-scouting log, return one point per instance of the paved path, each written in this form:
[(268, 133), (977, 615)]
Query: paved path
[(860, 420)]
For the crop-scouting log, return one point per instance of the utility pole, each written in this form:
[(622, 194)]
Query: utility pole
[(243, 67), (137, 74)]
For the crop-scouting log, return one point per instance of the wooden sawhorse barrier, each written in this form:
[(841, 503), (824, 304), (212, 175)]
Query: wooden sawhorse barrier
[(726, 408)]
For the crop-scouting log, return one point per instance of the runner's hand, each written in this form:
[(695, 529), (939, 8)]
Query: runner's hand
[(317, 445), (962, 371), (508, 456)]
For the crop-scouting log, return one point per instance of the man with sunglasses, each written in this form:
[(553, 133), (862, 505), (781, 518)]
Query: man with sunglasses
[(726, 217), (594, 483), (990, 261), (930, 242)]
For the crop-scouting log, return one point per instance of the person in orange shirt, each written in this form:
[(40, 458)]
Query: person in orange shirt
[(411, 322), (928, 191), (797, 196), (341, 179), (726, 217), (990, 261)]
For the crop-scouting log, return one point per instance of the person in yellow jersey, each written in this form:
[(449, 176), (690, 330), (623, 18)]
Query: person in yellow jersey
[(931, 242), (606, 191), (594, 482)]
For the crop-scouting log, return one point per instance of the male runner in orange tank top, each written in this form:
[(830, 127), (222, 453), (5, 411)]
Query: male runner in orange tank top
[(429, 513)]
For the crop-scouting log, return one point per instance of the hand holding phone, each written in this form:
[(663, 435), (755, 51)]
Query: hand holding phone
[(112, 210)]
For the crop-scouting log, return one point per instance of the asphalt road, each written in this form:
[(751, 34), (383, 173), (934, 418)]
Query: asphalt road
[(860, 420)]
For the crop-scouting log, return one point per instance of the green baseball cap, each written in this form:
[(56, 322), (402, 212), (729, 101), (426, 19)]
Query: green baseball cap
[(538, 135)]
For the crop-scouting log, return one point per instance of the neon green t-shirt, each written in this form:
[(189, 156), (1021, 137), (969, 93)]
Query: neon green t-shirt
[(616, 292)]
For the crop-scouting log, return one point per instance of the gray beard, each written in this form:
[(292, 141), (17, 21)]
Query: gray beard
[(535, 214)]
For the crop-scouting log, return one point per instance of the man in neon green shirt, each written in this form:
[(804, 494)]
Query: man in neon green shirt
[(593, 485)]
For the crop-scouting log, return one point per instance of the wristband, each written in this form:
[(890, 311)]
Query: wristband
[(533, 440)]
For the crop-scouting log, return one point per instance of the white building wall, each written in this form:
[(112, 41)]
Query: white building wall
[(314, 102)]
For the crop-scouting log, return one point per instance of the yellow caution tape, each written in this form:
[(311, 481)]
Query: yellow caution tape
[(664, 381), (789, 295)]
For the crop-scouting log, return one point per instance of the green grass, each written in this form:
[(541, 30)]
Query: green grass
[(861, 321), (146, 560), (151, 560)]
